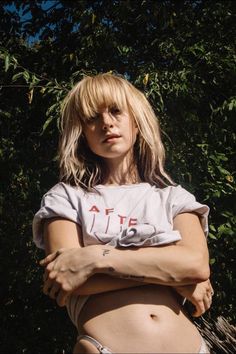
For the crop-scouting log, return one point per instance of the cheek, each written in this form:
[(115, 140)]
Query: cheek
[(91, 142), (90, 134), (88, 138)]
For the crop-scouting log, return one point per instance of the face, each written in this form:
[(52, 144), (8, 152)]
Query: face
[(111, 133)]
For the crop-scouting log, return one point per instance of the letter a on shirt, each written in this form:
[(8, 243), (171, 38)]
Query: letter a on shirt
[(94, 208)]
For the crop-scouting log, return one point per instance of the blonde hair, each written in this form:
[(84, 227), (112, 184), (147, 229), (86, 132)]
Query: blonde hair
[(78, 164)]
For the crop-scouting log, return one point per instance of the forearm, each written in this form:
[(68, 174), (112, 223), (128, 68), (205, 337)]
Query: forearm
[(101, 283), (172, 265), (183, 263)]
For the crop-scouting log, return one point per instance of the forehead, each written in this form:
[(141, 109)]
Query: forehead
[(95, 95)]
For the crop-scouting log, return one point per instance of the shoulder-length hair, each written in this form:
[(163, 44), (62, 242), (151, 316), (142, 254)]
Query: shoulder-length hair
[(79, 166)]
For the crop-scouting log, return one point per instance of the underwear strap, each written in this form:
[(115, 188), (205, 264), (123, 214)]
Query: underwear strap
[(203, 349), (99, 346)]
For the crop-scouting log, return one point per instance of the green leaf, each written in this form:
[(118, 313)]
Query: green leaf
[(46, 124), (212, 261), (7, 62), (213, 237), (212, 227), (26, 76), (232, 104), (17, 76)]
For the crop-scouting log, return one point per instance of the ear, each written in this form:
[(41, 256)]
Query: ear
[(136, 128), (134, 122)]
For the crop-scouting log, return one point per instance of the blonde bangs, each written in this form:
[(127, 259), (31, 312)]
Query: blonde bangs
[(99, 91)]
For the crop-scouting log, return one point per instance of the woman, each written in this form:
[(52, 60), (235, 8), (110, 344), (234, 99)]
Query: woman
[(123, 242)]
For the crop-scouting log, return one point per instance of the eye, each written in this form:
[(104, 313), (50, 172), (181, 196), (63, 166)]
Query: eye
[(92, 119), (115, 110)]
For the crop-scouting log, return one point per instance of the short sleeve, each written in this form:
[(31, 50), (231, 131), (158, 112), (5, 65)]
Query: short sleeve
[(58, 202), (182, 202)]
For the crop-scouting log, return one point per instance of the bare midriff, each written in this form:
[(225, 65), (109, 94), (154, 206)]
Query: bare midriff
[(144, 319)]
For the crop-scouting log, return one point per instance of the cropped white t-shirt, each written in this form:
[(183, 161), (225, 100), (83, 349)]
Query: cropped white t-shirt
[(122, 216)]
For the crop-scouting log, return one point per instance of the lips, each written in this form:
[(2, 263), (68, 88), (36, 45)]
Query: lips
[(110, 137)]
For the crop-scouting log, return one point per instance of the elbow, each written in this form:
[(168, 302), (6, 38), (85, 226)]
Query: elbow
[(202, 274), (196, 270), (200, 268)]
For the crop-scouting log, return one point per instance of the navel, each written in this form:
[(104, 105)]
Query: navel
[(153, 317)]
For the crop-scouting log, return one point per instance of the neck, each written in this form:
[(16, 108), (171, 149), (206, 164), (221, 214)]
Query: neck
[(122, 172)]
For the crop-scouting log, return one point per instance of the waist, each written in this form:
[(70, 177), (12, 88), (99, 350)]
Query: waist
[(135, 301), (140, 315)]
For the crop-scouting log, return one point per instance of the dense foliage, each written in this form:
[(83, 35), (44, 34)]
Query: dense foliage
[(182, 55)]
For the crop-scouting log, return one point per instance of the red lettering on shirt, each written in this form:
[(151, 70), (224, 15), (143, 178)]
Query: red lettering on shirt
[(108, 211), (132, 222), (122, 218), (94, 208)]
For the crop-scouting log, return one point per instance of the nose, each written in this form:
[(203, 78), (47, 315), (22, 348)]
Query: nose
[(107, 120)]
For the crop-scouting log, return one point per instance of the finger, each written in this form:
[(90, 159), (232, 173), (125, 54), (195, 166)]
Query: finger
[(211, 290), (48, 259), (52, 274), (51, 257), (200, 308), (47, 286), (53, 293), (207, 301), (62, 297), (45, 276), (50, 266)]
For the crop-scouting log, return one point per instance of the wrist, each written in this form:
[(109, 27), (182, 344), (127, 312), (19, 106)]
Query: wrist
[(102, 258)]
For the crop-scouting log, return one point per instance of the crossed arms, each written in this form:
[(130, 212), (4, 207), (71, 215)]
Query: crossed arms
[(69, 267)]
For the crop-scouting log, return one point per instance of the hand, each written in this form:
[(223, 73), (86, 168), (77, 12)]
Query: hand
[(200, 295), (66, 270)]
